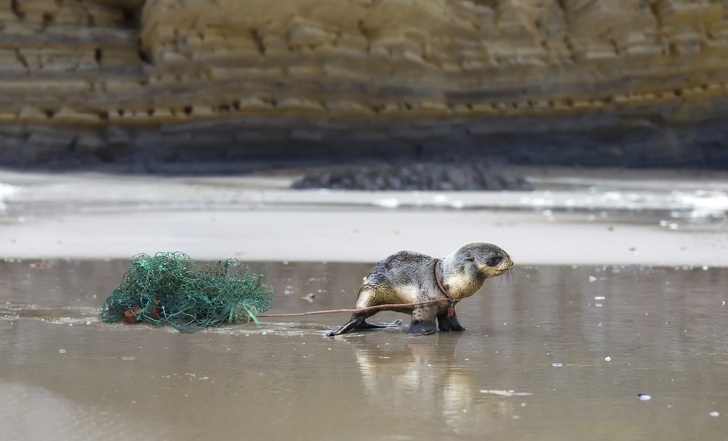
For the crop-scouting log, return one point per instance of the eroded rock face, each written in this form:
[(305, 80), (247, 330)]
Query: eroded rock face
[(572, 81)]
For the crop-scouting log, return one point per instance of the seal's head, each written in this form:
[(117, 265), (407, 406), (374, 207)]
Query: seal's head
[(465, 270), (488, 259)]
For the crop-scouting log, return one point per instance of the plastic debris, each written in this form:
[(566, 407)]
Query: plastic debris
[(163, 290)]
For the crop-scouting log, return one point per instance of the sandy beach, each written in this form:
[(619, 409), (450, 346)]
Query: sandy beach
[(573, 217), (609, 327)]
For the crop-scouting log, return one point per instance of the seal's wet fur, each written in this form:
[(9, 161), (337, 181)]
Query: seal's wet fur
[(409, 277)]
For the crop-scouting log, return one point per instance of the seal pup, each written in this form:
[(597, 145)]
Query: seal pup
[(411, 277)]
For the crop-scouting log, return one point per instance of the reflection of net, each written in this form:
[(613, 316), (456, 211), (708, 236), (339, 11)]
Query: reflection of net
[(162, 289)]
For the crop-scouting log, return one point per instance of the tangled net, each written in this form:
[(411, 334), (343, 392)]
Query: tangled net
[(162, 289)]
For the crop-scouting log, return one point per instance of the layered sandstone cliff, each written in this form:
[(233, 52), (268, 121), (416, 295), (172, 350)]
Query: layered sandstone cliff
[(536, 80)]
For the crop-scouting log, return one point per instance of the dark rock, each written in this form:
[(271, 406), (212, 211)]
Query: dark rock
[(476, 176)]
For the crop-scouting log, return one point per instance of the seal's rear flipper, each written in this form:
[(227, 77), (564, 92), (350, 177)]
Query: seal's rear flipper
[(379, 325), (360, 323), (354, 323)]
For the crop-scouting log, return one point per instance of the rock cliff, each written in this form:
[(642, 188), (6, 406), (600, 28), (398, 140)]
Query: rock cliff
[(632, 82)]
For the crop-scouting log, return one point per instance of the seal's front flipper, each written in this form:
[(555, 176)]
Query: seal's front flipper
[(450, 323), (419, 327), (423, 320)]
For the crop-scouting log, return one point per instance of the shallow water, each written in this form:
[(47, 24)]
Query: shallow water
[(553, 353)]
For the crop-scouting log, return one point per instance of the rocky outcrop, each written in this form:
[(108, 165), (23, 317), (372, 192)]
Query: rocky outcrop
[(478, 176), (571, 81)]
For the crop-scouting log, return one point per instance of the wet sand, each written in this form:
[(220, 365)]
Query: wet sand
[(636, 309), (556, 353), (573, 217)]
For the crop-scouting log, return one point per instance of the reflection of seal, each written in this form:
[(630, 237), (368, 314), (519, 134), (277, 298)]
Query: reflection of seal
[(409, 277)]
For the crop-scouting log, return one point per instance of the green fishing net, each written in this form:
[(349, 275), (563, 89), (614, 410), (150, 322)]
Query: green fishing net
[(164, 290)]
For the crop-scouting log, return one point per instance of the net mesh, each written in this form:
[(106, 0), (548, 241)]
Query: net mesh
[(164, 290)]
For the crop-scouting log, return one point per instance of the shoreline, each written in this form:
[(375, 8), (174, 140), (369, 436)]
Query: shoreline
[(574, 217)]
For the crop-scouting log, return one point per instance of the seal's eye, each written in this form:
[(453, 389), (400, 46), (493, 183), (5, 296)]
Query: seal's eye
[(493, 261)]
